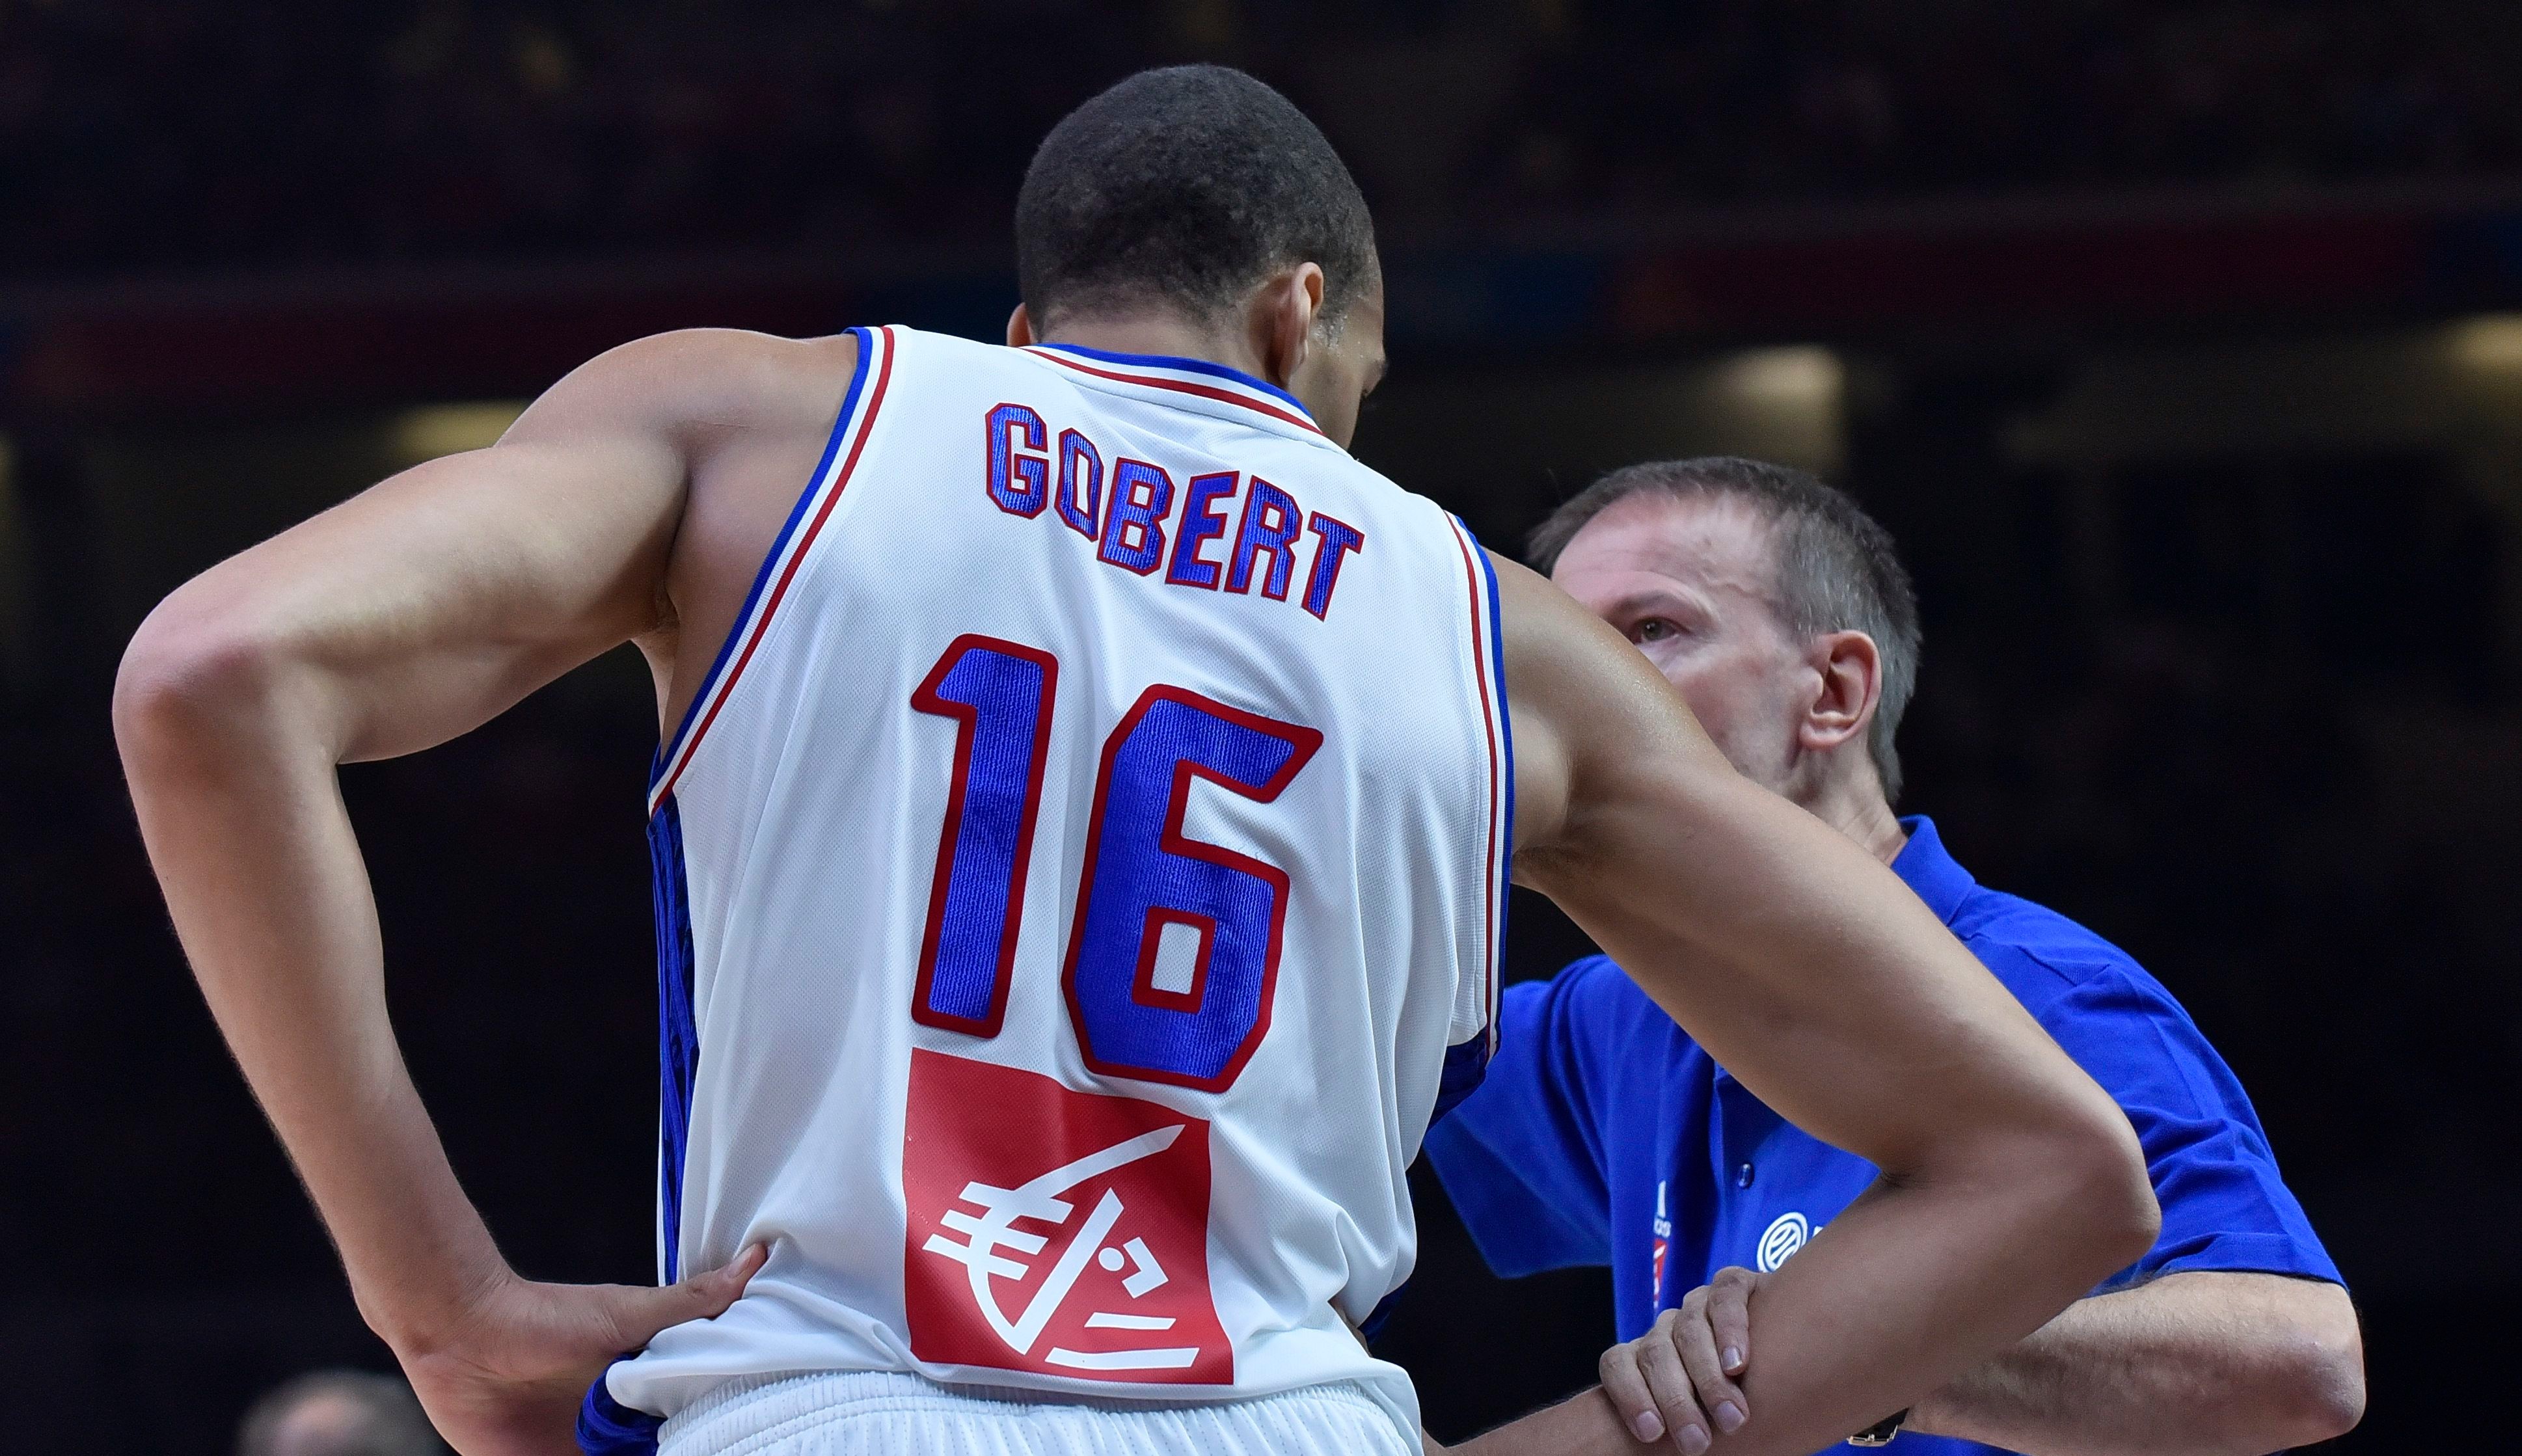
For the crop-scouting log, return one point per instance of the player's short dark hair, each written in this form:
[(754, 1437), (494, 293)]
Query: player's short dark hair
[(1184, 188), (1837, 569)]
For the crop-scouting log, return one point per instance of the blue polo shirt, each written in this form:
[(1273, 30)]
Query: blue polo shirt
[(1603, 1135)]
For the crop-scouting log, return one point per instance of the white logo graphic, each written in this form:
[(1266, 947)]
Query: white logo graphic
[(1039, 1200), (1779, 1241)]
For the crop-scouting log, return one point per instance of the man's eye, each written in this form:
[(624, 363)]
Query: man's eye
[(1654, 629)]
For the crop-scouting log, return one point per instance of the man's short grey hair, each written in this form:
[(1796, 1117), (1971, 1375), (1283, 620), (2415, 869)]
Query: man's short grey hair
[(371, 1415), (1837, 569)]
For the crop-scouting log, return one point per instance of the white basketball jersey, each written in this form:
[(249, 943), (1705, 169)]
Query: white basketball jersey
[(1075, 881)]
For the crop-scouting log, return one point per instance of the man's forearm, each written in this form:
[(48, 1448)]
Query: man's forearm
[(238, 802), (1834, 1332), (2205, 1363), (1583, 1425)]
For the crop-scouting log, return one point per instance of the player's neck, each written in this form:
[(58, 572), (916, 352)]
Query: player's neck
[(1161, 333)]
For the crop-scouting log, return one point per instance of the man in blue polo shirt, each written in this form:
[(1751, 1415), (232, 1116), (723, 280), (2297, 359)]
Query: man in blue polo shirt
[(1605, 1135)]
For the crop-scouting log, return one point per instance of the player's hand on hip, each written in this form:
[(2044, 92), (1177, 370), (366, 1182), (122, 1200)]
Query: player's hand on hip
[(507, 1379), (1678, 1379)]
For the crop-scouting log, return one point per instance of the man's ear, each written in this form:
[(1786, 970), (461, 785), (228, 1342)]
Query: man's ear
[(1850, 670), (1283, 321), (1019, 328)]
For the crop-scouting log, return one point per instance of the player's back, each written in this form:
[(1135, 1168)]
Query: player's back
[(1075, 880)]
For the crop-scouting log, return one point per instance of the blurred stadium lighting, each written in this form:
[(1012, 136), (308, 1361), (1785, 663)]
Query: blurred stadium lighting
[(1787, 404), (2489, 342), (1803, 378), (436, 430)]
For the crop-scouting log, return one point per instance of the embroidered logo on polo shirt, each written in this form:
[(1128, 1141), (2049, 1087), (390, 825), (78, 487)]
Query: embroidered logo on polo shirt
[(1785, 1235)]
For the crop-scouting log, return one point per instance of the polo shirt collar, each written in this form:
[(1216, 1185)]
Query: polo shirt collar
[(1930, 872)]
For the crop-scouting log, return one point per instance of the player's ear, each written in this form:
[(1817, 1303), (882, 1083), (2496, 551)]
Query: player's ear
[(1287, 306), (1019, 328), (1851, 672)]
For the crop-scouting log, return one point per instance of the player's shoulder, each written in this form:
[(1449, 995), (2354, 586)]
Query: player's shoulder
[(1404, 497), (1438, 539), (714, 379)]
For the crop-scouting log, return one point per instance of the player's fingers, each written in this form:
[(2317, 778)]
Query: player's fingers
[(1729, 1315), (1696, 1341), (707, 1294), (711, 1292), (1626, 1388), (637, 1314), (1668, 1382)]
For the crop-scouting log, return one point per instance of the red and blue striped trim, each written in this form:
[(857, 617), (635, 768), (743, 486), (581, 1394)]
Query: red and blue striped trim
[(770, 585), (1196, 377), (1488, 661)]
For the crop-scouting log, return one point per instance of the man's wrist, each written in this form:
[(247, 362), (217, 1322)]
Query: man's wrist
[(423, 1315), (1584, 1425)]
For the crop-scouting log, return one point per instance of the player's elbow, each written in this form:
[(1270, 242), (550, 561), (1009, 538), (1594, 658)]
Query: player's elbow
[(2125, 1219), (187, 682), (2100, 1201)]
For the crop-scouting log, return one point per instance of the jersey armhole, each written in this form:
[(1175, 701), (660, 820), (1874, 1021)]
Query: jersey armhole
[(868, 379)]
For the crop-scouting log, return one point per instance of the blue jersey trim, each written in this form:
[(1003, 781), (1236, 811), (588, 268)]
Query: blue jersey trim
[(608, 1427), (678, 1046), (1505, 735), (761, 579), (1467, 1065), (1191, 366)]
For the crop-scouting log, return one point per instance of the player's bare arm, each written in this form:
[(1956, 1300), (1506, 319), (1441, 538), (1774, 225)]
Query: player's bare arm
[(2011, 1182), (2202, 1362), (628, 503)]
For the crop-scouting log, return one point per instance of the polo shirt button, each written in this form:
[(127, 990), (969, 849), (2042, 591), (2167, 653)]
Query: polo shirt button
[(1742, 1176)]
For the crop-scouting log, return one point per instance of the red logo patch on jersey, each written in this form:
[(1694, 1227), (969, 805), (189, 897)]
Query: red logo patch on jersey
[(1058, 1232)]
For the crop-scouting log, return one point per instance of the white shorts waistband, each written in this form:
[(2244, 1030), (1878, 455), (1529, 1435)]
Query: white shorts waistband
[(870, 1412)]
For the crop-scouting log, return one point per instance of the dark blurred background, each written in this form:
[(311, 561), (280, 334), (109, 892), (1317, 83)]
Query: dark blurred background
[(2166, 336)]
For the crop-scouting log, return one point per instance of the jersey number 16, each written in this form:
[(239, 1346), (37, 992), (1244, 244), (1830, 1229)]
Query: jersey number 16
[(1140, 873)]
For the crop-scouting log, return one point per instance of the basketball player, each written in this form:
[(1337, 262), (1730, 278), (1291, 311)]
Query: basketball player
[(1081, 834)]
